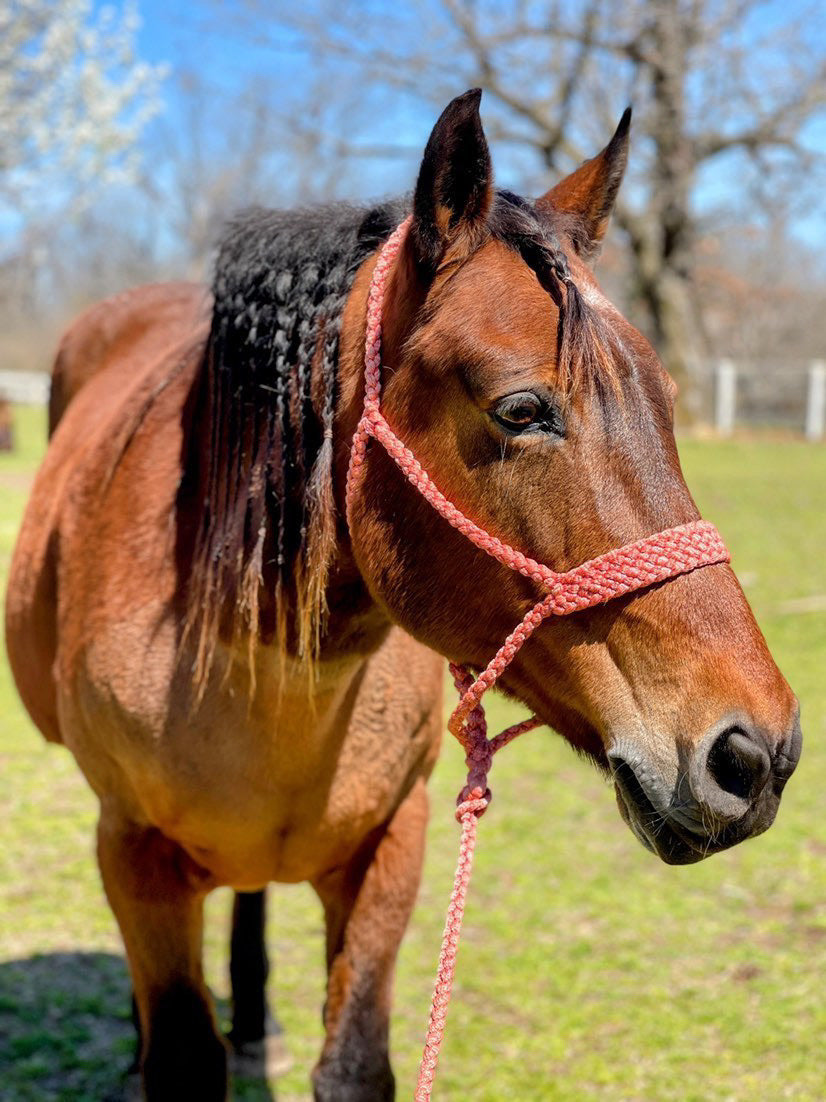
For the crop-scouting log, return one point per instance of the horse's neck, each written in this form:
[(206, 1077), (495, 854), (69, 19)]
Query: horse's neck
[(354, 625)]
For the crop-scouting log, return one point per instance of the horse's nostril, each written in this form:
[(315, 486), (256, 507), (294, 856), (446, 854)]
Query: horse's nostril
[(739, 764)]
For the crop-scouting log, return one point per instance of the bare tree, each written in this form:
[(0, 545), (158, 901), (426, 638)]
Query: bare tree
[(224, 151), (729, 82), (763, 295)]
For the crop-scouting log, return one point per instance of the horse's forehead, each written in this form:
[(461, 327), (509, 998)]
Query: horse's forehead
[(495, 285), (636, 345), (493, 300)]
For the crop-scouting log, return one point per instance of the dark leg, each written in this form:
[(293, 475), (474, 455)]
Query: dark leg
[(367, 906), (157, 894), (256, 1036), (135, 1066), (249, 968)]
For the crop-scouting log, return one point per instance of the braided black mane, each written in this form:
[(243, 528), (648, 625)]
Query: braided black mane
[(281, 281)]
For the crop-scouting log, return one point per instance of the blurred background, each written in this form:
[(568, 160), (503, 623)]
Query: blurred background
[(128, 133), (131, 131)]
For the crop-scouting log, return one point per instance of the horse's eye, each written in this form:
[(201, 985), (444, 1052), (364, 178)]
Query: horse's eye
[(522, 412)]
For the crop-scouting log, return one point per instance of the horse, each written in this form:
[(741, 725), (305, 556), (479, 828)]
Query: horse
[(135, 323), (250, 675)]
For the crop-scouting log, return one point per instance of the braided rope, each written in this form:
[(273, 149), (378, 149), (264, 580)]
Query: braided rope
[(645, 562)]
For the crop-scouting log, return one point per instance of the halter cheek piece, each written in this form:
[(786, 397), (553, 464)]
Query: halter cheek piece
[(623, 570)]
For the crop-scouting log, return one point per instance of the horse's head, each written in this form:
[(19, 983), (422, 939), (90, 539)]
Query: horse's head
[(547, 418)]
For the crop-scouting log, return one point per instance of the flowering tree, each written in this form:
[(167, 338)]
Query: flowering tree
[(73, 101)]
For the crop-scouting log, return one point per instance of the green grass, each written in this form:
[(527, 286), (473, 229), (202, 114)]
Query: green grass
[(588, 969)]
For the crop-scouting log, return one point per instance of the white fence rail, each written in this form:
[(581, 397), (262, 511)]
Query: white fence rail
[(27, 388), (816, 402), (792, 398), (782, 396), (725, 397)]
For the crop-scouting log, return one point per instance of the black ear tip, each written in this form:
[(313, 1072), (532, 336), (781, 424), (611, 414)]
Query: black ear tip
[(461, 115), (618, 144), (466, 103)]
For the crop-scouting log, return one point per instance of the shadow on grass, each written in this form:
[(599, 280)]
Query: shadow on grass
[(66, 1032)]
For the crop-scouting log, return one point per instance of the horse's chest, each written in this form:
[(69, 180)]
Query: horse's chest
[(277, 789), (292, 802)]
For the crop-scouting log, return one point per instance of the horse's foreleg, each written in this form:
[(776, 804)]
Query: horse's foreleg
[(249, 968), (257, 1038), (157, 894), (367, 907)]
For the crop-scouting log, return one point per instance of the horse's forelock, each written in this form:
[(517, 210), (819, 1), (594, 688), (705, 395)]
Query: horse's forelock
[(589, 352)]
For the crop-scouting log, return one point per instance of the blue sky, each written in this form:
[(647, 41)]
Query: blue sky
[(190, 36)]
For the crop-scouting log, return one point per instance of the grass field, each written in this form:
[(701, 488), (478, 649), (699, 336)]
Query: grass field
[(588, 970)]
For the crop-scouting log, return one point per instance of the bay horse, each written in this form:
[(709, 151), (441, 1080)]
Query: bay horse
[(251, 679)]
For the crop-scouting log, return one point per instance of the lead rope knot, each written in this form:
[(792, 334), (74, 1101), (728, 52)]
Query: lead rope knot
[(474, 801), (479, 750)]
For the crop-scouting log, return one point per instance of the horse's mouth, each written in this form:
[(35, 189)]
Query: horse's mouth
[(658, 832)]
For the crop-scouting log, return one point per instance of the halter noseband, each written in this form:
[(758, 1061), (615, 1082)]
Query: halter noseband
[(655, 558)]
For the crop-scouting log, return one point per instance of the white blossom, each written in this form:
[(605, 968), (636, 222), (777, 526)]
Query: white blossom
[(74, 100)]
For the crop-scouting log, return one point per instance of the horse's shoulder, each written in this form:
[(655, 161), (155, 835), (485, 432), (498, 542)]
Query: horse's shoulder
[(142, 349), (120, 331), (110, 471)]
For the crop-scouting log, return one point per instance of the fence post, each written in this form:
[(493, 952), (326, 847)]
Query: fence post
[(816, 401), (726, 397)]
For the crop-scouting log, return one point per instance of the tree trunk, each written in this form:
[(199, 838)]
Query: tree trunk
[(677, 334), (663, 244)]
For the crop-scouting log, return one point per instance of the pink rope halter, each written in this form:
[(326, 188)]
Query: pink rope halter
[(623, 570)]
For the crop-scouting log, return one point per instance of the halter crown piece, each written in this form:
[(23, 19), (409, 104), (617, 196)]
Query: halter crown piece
[(623, 570)]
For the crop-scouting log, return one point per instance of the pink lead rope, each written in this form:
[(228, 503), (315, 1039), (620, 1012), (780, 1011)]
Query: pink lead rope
[(623, 570)]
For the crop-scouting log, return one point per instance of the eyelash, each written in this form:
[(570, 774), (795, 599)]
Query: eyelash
[(545, 420)]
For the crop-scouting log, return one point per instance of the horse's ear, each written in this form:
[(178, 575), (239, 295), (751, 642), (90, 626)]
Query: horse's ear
[(588, 194), (455, 185)]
